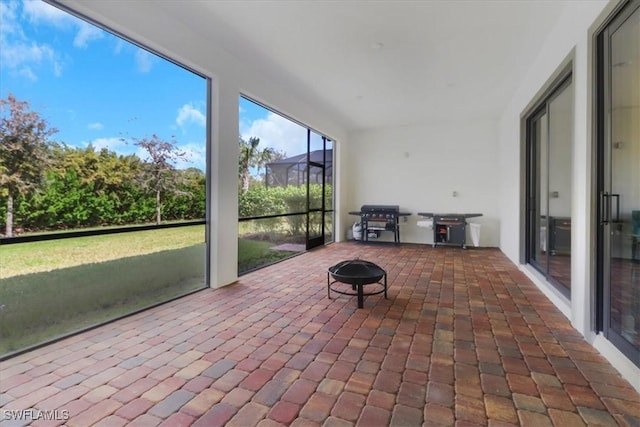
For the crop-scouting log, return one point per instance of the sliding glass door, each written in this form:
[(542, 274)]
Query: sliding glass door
[(619, 181), (549, 149)]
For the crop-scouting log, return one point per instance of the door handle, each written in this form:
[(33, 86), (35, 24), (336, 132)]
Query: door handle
[(605, 207), (617, 197)]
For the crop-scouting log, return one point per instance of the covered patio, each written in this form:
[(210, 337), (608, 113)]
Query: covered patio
[(465, 338)]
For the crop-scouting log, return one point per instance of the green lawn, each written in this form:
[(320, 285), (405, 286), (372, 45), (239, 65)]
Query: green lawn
[(55, 287), (51, 288), (47, 255), (37, 307), (257, 253)]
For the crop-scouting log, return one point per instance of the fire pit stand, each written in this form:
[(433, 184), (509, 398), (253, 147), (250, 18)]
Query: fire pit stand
[(356, 273)]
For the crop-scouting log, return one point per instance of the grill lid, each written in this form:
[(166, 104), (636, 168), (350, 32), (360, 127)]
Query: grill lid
[(380, 208)]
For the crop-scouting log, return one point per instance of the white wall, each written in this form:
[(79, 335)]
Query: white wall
[(569, 41), (419, 167), (233, 79)]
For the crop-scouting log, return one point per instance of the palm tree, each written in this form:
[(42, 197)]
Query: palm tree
[(252, 157)]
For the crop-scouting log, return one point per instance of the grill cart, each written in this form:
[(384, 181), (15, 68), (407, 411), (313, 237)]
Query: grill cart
[(378, 218), (449, 229)]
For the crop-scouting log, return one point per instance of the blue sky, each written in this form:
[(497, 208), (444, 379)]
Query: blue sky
[(274, 130), (96, 88)]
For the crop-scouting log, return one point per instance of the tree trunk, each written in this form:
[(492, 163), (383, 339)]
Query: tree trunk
[(9, 223), (245, 180), (158, 218)]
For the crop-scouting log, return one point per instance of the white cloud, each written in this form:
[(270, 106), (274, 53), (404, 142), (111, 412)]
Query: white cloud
[(87, 33), (23, 56), (10, 26), (189, 114), (26, 57), (39, 11), (95, 126), (19, 54), (195, 156), (111, 144), (119, 46), (27, 73), (278, 133), (57, 67), (144, 60), (195, 152)]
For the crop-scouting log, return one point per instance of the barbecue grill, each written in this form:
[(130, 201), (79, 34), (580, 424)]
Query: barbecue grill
[(449, 228), (378, 218)]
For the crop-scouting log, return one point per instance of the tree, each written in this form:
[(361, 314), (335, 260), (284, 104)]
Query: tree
[(252, 157), (24, 152), (105, 170), (159, 175)]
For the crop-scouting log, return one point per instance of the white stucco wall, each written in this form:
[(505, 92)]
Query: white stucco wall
[(231, 80), (568, 41), (419, 167)]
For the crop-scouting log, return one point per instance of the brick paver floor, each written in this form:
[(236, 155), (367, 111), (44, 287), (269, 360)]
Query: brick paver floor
[(463, 339)]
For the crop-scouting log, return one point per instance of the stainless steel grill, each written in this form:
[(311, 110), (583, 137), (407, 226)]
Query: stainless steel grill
[(449, 228), (378, 218)]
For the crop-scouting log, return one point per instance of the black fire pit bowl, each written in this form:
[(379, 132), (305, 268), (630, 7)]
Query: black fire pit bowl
[(357, 273)]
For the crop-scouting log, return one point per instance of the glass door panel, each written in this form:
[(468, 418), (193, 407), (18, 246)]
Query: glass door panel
[(328, 174), (623, 201), (315, 191), (539, 187), (316, 195), (320, 190), (315, 229), (559, 193), (328, 227), (549, 188)]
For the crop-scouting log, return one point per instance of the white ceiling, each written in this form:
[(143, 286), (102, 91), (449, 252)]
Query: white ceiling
[(367, 63)]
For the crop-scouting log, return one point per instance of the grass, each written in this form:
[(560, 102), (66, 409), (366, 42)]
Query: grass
[(256, 253), (47, 255), (55, 287), (258, 237), (39, 306)]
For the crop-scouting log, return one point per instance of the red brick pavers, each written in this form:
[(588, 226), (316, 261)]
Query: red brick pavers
[(464, 339)]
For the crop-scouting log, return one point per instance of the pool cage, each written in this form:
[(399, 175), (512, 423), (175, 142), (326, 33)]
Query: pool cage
[(293, 170)]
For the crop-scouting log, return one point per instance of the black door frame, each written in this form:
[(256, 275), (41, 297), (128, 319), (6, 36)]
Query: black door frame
[(604, 169), (564, 80), (313, 241)]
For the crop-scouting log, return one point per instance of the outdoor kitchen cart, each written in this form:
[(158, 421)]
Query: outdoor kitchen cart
[(378, 218), (450, 228)]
